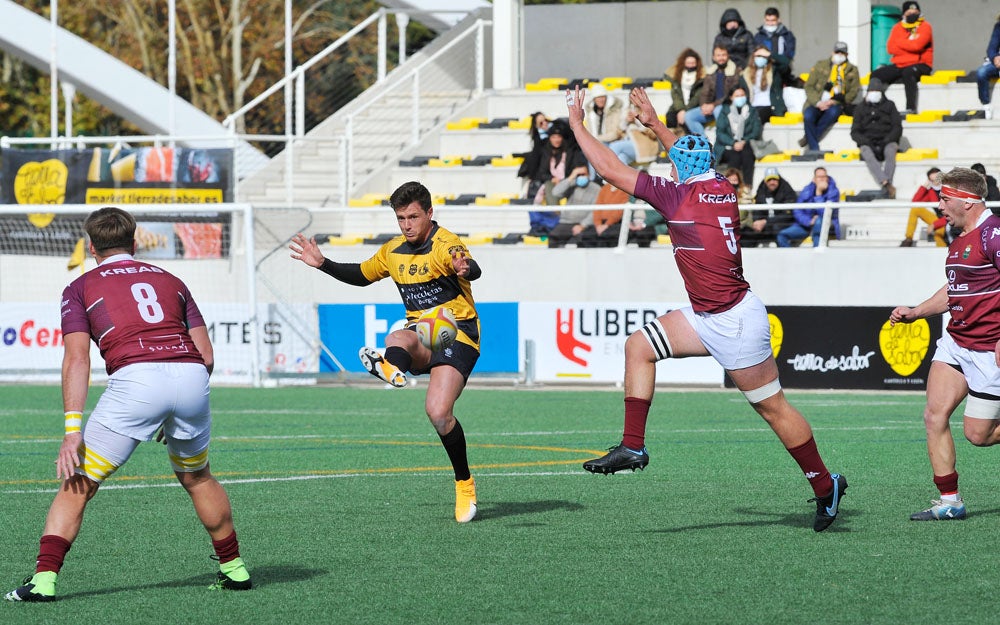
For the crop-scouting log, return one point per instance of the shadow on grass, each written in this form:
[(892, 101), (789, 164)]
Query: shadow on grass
[(795, 519), (498, 510), (261, 575)]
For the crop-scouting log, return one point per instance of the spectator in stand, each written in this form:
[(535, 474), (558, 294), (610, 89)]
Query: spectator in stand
[(992, 192), (604, 114), (720, 79), (911, 46), (832, 88), (539, 133), (763, 79), (558, 157), (639, 144), (989, 71), (877, 128), (685, 88), (735, 127), (735, 38), (744, 195), (808, 222), (765, 224), (605, 224), (780, 42), (929, 191), (577, 188)]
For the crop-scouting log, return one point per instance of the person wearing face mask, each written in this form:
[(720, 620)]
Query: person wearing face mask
[(877, 128), (578, 189), (539, 133), (736, 125), (685, 78), (911, 46), (780, 42), (719, 80), (763, 78), (929, 191), (831, 90), (735, 38)]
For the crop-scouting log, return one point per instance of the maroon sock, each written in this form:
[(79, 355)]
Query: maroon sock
[(807, 455), (947, 484), (636, 411), (51, 553), (227, 549)]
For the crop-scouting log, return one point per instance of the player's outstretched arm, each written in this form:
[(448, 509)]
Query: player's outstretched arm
[(599, 155), (647, 117), (75, 382), (936, 304), (305, 249)]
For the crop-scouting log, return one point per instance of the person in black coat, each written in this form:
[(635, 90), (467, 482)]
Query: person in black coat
[(877, 129), (766, 224)]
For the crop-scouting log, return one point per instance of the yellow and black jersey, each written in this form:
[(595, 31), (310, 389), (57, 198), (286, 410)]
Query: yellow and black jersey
[(426, 278)]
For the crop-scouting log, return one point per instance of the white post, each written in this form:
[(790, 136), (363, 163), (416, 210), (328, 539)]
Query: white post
[(383, 45), (300, 103), (289, 86), (854, 19), (508, 64), (53, 71), (172, 68), (348, 152), (69, 92), (402, 21), (480, 57), (251, 267), (415, 130)]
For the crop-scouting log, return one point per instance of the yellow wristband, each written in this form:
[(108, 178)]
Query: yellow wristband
[(74, 420)]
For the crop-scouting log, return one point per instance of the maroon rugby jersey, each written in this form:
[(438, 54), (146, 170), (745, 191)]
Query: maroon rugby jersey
[(704, 230), (134, 311), (973, 273)]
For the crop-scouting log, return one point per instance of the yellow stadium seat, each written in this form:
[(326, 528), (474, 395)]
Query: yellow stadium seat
[(845, 119), (466, 123), (665, 85), (917, 154), (787, 119), (942, 77), (507, 161), (927, 116), (368, 199), (447, 161), (480, 238), (546, 84), (851, 154), (520, 124), (347, 239), (613, 83), (864, 79), (492, 200), (775, 158), (663, 239), (528, 240), (438, 200)]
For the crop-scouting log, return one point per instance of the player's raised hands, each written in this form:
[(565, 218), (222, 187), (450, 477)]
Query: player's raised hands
[(305, 249), (646, 114), (574, 104)]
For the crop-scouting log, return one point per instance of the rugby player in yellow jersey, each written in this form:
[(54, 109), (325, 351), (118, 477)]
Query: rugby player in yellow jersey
[(430, 266)]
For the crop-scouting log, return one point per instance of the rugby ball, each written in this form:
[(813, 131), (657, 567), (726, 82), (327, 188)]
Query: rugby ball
[(436, 328)]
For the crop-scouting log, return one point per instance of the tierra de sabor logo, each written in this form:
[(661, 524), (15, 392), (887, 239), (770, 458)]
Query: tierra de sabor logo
[(904, 345)]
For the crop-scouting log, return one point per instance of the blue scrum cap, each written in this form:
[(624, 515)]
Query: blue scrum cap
[(692, 155)]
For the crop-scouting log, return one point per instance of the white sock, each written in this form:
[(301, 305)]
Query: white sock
[(952, 498)]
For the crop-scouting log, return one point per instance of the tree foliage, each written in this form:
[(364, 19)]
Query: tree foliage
[(227, 52)]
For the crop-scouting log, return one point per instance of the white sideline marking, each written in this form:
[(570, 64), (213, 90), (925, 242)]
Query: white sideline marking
[(298, 478)]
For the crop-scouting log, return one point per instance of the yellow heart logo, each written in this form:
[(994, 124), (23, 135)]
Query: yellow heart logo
[(905, 345), (777, 333), (41, 183)]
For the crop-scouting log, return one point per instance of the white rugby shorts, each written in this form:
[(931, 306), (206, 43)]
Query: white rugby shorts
[(737, 338), (981, 374)]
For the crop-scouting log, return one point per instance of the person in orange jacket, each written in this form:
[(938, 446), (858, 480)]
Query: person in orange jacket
[(911, 46)]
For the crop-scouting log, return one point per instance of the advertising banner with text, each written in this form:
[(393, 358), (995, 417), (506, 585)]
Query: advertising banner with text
[(851, 348), (585, 341)]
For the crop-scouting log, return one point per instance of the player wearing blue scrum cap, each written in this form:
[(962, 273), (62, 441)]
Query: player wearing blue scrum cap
[(725, 319)]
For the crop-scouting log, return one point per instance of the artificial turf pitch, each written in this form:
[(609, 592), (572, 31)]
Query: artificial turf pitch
[(344, 499)]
